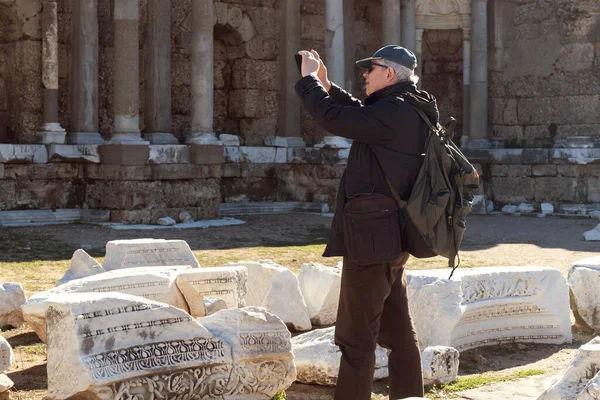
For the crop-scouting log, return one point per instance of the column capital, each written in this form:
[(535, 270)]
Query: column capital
[(419, 33)]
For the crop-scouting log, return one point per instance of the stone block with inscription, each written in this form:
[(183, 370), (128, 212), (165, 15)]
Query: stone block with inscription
[(148, 253), (581, 379), (584, 277), (6, 355), (512, 304), (12, 297), (320, 286), (23, 153), (156, 284), (82, 265), (227, 283), (317, 358), (276, 288), (122, 347)]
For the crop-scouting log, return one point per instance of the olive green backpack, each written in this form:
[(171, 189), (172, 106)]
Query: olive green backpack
[(441, 198)]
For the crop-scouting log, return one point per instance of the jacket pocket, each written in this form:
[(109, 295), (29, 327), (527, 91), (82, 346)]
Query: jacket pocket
[(372, 229)]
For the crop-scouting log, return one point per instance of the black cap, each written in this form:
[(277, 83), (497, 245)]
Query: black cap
[(397, 54)]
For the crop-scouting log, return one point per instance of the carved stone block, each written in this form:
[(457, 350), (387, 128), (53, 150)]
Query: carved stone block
[(82, 265), (148, 253), (157, 283), (584, 277), (227, 283), (440, 365), (320, 287)]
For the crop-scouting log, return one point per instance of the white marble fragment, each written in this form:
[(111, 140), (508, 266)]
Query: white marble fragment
[(276, 288), (320, 287), (227, 283), (579, 381), (440, 365), (5, 383), (509, 209), (213, 304), (166, 221), (82, 265), (318, 358), (434, 303), (185, 217), (148, 253), (525, 208), (486, 306), (592, 235), (6, 355), (228, 139), (547, 208), (158, 284), (584, 281), (117, 346), (12, 297)]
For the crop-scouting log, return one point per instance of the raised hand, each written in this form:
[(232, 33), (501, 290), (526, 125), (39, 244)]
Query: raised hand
[(322, 73), (310, 65)]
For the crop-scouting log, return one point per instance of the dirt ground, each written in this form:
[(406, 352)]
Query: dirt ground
[(38, 256)]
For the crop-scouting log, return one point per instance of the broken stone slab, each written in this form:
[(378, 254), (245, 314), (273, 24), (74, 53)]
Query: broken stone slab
[(584, 277), (227, 283), (166, 221), (508, 209), (525, 208), (573, 382), (119, 346), (440, 365), (74, 153), (213, 304), (318, 358), (148, 253), (547, 208), (82, 265), (158, 284), (489, 305), (320, 287), (185, 217), (12, 297), (6, 355), (5, 384), (434, 303), (276, 288), (592, 235), (228, 139), (512, 304), (169, 154), (23, 153)]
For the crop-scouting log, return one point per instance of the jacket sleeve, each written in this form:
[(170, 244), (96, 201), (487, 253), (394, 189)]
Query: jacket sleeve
[(343, 98), (369, 124)]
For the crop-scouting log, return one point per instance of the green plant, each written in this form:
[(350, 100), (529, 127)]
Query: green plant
[(280, 396)]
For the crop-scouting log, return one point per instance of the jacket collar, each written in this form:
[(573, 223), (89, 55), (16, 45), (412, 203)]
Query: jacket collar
[(396, 88)]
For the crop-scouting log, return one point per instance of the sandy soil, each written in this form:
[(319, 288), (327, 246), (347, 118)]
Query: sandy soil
[(292, 240)]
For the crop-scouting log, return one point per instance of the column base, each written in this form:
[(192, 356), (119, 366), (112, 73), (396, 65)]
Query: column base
[(229, 140), (124, 154), (276, 141), (295, 142), (51, 132), (160, 138), (127, 138), (477, 144), (84, 138), (203, 138), (334, 142)]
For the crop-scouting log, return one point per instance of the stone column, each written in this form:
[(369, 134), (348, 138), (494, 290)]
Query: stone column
[(126, 146), (466, 87), (158, 74), (83, 125), (126, 79), (50, 131), (419, 54), (202, 87), (478, 119), (288, 123), (390, 22), (334, 57), (409, 27)]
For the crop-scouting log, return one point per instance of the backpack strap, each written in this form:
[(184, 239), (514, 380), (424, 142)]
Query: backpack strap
[(426, 119)]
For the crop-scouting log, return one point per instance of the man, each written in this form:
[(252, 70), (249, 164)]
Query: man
[(389, 139)]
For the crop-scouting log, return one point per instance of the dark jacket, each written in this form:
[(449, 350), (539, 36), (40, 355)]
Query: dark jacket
[(386, 131)]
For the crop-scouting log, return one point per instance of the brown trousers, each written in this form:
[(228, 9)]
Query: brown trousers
[(374, 310)]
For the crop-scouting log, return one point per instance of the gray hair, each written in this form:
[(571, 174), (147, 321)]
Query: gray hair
[(403, 74)]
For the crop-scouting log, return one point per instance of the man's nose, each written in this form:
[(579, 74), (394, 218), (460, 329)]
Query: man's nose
[(365, 74)]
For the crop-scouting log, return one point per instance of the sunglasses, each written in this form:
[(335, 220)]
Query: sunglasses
[(370, 69)]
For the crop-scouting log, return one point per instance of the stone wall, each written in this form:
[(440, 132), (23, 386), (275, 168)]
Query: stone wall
[(544, 71)]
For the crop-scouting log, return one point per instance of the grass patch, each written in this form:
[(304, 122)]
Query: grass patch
[(38, 349), (473, 382), (280, 396)]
